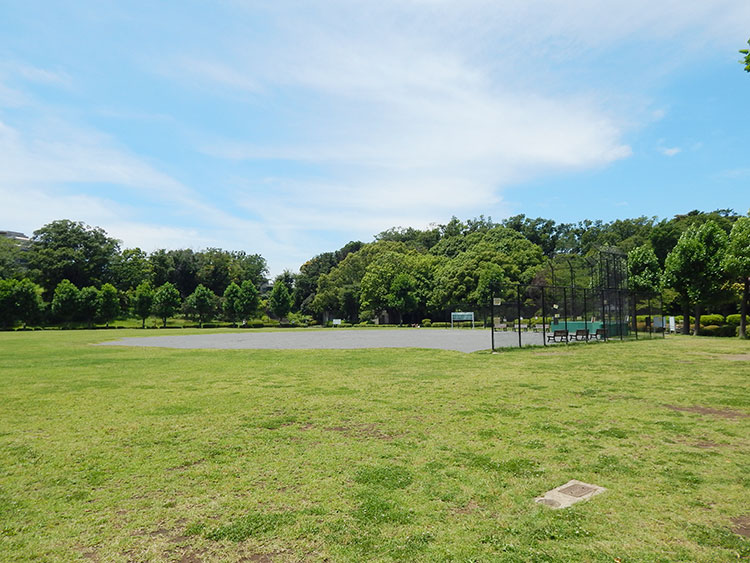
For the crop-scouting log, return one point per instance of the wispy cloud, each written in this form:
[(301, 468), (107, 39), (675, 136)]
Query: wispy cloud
[(670, 151)]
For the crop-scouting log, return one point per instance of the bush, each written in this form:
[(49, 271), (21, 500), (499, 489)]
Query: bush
[(426, 322), (255, 324), (441, 325), (716, 330), (712, 320), (734, 320)]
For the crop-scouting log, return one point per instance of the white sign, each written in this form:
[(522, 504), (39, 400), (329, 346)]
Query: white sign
[(672, 325), (497, 301), (336, 322)]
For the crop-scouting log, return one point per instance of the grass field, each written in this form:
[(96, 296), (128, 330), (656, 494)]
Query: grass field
[(134, 454)]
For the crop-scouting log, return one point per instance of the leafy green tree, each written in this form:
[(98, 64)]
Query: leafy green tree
[(65, 301), (162, 267), (252, 267), (202, 302), (185, 273), (8, 307), (88, 304), (249, 300), (746, 60), (644, 273), (280, 300), (216, 269), (737, 264), (144, 301), (231, 302), (166, 301), (11, 259), (693, 268), (109, 303), (130, 268), (29, 304), (491, 282), (73, 251), (390, 284)]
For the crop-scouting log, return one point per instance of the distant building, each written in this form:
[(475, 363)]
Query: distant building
[(21, 238)]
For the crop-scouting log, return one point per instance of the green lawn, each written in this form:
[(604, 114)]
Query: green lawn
[(130, 454)]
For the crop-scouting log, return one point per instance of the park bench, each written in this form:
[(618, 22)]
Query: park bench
[(582, 334), (601, 334), (558, 334)]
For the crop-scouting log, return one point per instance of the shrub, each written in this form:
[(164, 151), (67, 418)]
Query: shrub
[(712, 320), (734, 320), (717, 330), (255, 324), (426, 322), (441, 325)]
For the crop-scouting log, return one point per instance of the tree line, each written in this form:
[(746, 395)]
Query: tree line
[(697, 260)]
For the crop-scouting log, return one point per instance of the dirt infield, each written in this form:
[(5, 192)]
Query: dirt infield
[(463, 340)]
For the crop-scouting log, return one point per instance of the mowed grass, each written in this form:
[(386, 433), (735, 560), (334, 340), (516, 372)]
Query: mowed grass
[(144, 454)]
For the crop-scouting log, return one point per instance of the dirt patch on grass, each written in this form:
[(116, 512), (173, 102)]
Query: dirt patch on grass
[(469, 508), (722, 413), (708, 444), (186, 465), (260, 557), (741, 525), (362, 430), (730, 357)]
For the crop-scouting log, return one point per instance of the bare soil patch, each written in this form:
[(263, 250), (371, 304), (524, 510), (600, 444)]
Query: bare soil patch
[(362, 430), (722, 413), (708, 444), (741, 525)]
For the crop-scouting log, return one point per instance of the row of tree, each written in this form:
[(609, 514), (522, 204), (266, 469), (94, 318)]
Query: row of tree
[(87, 256), (697, 259), (21, 301)]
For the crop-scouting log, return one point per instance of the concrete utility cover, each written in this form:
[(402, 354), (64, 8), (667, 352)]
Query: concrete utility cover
[(568, 494)]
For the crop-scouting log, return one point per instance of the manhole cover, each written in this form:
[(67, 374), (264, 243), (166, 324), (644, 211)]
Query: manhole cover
[(577, 490)]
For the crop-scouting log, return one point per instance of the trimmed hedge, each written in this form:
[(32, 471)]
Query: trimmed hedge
[(734, 320), (716, 330), (712, 320)]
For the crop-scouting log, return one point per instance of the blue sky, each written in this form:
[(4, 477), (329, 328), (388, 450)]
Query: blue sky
[(290, 128)]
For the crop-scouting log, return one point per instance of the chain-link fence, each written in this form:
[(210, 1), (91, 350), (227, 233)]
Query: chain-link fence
[(564, 314)]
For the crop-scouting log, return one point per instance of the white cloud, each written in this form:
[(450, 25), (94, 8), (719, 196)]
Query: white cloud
[(670, 151)]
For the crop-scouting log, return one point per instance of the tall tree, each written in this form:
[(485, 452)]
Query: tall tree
[(746, 60), (249, 300), (144, 301), (737, 264), (693, 268), (73, 251), (109, 303), (65, 301), (29, 304), (202, 302), (166, 302), (88, 304), (11, 259), (644, 273), (8, 307), (216, 269), (130, 268), (231, 303), (280, 301)]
